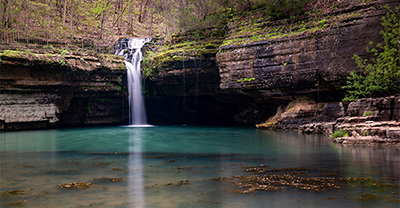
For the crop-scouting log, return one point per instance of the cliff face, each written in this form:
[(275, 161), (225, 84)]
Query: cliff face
[(269, 64), (234, 76), (35, 94), (187, 92), (306, 62)]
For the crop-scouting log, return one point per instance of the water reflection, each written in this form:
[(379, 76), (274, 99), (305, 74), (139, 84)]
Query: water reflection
[(135, 175), (378, 161), (29, 141), (185, 167)]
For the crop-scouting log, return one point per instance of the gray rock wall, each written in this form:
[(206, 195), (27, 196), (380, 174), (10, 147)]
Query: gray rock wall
[(304, 63)]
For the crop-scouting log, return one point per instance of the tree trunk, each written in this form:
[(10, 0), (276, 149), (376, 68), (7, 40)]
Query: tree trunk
[(102, 25), (71, 17), (64, 11), (6, 13)]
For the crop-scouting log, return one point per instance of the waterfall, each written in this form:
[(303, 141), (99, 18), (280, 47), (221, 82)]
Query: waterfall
[(131, 50)]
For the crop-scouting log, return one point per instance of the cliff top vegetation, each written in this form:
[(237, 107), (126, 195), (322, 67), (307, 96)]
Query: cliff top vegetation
[(99, 24)]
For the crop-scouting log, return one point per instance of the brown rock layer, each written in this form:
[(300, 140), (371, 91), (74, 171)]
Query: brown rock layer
[(304, 63), (39, 95)]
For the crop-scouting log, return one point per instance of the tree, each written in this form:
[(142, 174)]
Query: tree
[(379, 76)]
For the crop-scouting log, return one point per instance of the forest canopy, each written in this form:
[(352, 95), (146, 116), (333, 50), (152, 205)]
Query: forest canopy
[(103, 22)]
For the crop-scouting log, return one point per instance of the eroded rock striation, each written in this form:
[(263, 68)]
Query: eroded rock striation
[(230, 79), (371, 120), (305, 62), (39, 94)]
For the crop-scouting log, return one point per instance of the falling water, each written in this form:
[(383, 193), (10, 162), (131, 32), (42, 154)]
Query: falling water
[(131, 50)]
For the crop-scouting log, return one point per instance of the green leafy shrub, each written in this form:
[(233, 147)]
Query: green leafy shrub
[(340, 133), (368, 113), (379, 76), (365, 133)]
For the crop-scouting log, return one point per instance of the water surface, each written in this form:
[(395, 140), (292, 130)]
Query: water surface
[(188, 167)]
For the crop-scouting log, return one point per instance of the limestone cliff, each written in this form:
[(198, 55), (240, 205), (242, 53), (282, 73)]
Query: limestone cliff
[(44, 90), (309, 58), (261, 64), (240, 73)]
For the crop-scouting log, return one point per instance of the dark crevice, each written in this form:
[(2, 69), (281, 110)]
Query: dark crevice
[(392, 104)]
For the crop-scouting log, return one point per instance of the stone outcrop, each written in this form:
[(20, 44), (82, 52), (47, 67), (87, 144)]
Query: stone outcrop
[(305, 63), (371, 120), (37, 94), (212, 83), (318, 128), (377, 109), (245, 83), (300, 115), (365, 121)]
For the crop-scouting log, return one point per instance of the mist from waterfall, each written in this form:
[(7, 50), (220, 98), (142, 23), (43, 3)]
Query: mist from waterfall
[(131, 50)]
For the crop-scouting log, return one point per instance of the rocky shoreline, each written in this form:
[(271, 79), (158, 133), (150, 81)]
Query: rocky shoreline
[(367, 121)]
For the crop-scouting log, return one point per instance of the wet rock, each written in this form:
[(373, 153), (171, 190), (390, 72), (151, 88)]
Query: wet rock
[(267, 179), (118, 169), (307, 117), (12, 192), (17, 203), (82, 185), (317, 128), (393, 133)]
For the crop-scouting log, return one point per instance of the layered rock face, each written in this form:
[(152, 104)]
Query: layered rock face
[(365, 121), (246, 82), (187, 92), (236, 83), (305, 63), (371, 119), (35, 95)]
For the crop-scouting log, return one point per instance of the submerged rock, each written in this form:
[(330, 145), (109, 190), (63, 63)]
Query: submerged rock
[(267, 179), (12, 192), (83, 185)]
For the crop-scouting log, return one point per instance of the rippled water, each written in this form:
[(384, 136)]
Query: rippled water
[(187, 167)]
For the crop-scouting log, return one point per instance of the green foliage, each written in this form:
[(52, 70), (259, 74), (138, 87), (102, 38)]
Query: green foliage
[(365, 133), (118, 87), (379, 76), (64, 52), (340, 133), (149, 64), (368, 113), (246, 79), (12, 53), (62, 62)]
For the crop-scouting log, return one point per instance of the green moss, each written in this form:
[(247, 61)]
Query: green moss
[(13, 53), (180, 47), (246, 30), (340, 133), (368, 113)]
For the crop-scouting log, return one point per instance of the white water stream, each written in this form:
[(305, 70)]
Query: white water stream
[(131, 50)]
